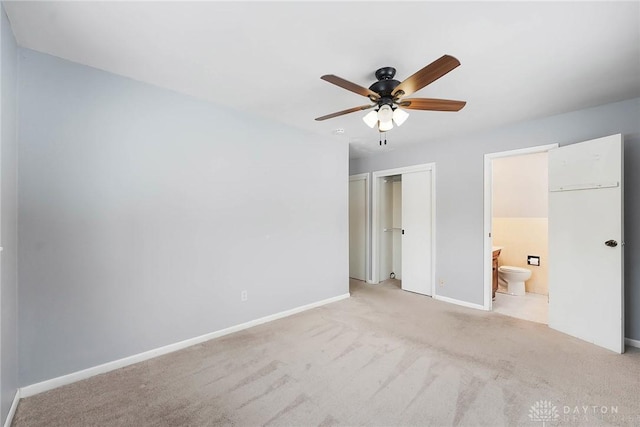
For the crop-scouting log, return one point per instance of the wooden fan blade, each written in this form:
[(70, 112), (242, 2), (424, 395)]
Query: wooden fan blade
[(427, 75), (345, 84), (343, 112), (431, 104)]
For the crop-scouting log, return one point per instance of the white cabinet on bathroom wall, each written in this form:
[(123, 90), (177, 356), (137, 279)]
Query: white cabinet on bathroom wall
[(586, 293)]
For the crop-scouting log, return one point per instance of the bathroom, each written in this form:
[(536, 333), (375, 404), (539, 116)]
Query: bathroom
[(520, 233)]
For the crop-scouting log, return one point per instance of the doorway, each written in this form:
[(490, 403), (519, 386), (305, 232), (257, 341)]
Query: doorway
[(390, 218), (516, 212), (403, 230), (520, 236), (585, 238)]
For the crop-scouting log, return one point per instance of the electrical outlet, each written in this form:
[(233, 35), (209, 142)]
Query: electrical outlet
[(243, 296), (441, 282)]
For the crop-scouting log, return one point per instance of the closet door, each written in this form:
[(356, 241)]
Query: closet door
[(416, 232)]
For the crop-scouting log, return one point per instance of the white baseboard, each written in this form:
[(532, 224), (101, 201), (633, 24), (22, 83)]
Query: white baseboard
[(459, 302), (43, 386), (12, 410), (632, 343)]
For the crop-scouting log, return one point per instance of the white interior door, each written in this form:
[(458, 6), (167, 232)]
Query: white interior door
[(417, 233), (357, 229), (586, 292)]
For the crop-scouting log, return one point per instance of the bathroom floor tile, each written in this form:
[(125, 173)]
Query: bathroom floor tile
[(533, 307)]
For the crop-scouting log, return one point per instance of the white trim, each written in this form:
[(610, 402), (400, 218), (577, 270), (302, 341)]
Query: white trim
[(12, 409), (632, 343), (433, 230), (374, 229), (367, 234), (488, 212), (406, 169), (459, 302), (43, 386)]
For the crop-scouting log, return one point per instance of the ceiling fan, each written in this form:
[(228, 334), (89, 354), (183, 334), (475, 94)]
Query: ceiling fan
[(388, 94)]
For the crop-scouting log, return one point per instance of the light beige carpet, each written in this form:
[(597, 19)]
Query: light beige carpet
[(384, 357)]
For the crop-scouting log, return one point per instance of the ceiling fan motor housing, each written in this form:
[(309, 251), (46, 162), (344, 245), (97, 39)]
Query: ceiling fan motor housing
[(385, 84)]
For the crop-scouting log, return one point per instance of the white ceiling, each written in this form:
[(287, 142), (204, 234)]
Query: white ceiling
[(519, 60)]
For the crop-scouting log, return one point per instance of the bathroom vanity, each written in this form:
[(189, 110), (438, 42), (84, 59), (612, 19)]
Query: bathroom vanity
[(496, 253)]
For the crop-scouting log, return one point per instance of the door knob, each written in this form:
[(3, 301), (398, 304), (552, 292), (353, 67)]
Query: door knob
[(611, 243)]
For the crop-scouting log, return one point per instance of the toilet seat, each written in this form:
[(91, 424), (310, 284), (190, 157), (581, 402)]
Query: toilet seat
[(512, 269)]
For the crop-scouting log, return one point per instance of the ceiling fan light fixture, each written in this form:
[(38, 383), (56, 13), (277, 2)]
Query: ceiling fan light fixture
[(385, 126), (371, 118), (385, 113), (400, 116)]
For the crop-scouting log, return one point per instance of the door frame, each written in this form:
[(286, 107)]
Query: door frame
[(488, 211), (375, 260), (367, 221)]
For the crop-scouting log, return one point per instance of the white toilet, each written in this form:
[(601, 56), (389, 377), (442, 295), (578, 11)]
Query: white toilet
[(513, 278)]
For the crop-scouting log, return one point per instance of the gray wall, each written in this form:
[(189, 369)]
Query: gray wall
[(144, 214), (460, 188), (8, 219)]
